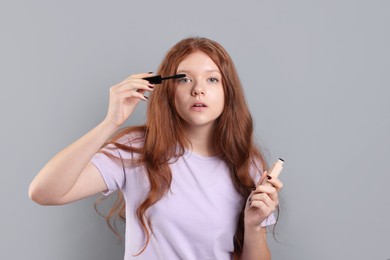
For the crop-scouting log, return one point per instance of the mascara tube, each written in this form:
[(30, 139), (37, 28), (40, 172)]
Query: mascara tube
[(275, 170)]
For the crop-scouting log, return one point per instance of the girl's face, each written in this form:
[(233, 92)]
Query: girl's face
[(199, 97)]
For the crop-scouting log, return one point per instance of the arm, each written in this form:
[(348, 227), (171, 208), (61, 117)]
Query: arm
[(69, 175), (260, 204), (255, 244)]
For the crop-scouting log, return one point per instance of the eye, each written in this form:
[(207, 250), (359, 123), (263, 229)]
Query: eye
[(184, 80), (213, 80)]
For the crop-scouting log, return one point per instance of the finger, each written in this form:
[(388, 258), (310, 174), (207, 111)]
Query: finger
[(272, 195), (135, 86), (127, 85), (125, 95), (130, 80), (271, 191), (262, 206), (275, 198), (263, 176), (138, 95), (264, 189), (140, 75), (276, 183), (264, 198), (142, 91), (135, 82), (138, 78)]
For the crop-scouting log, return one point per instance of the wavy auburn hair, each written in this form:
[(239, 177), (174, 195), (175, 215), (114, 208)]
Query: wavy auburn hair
[(163, 136)]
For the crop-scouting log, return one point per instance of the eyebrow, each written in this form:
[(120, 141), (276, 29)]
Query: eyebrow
[(188, 71)]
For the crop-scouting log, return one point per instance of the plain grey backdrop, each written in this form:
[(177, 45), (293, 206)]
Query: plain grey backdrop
[(316, 76)]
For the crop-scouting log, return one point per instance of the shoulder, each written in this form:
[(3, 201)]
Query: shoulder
[(131, 139), (125, 144)]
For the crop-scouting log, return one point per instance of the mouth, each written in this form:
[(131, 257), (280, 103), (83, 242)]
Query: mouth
[(199, 104)]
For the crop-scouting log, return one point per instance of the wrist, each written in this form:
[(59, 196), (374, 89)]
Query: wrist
[(254, 228), (253, 224), (109, 126)]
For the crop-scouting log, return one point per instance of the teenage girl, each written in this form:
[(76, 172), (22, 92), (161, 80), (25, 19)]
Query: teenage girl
[(190, 181)]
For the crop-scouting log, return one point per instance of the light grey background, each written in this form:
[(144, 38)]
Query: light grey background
[(316, 75)]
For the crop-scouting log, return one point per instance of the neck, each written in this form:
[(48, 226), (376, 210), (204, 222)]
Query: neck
[(201, 140)]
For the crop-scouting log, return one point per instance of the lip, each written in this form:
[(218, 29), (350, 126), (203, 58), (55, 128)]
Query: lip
[(198, 106)]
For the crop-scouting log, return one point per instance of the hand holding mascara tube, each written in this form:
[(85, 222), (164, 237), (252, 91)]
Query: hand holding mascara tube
[(263, 199), (275, 171)]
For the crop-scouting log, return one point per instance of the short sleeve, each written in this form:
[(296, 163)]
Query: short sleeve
[(113, 162), (111, 169)]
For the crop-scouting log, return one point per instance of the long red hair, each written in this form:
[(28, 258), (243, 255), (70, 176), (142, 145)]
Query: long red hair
[(164, 138)]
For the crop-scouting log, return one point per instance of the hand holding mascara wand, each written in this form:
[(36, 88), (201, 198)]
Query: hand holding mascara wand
[(158, 79)]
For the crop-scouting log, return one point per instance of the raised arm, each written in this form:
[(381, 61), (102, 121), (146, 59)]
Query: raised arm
[(69, 175)]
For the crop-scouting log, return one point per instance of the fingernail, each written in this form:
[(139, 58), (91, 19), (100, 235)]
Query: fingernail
[(269, 177), (146, 97), (151, 86), (254, 188), (150, 72)]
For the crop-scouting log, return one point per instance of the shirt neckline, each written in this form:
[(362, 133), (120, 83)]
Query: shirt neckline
[(191, 153)]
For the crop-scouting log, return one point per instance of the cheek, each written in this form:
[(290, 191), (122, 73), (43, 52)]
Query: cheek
[(221, 98), (179, 101)]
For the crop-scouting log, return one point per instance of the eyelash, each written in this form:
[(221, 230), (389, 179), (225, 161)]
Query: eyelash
[(214, 80), (183, 80), (186, 80)]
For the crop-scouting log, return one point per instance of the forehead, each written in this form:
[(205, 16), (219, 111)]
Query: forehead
[(197, 61)]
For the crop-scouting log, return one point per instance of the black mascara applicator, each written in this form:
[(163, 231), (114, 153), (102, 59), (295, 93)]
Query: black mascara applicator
[(158, 79)]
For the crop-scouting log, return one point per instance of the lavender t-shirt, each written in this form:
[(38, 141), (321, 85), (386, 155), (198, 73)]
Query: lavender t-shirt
[(196, 219)]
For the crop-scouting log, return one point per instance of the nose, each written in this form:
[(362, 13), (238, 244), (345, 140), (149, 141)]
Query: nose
[(197, 89)]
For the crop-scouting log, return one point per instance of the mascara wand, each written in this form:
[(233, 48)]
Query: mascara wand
[(158, 79)]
